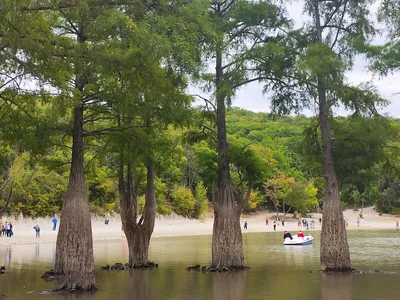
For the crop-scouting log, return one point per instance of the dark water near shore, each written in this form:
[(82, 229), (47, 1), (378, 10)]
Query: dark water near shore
[(277, 272)]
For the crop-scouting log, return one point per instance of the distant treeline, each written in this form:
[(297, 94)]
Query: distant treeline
[(283, 153)]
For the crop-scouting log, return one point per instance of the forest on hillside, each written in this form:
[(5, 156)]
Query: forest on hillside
[(281, 151)]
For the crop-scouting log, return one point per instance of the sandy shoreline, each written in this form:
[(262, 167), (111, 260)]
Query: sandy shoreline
[(165, 227)]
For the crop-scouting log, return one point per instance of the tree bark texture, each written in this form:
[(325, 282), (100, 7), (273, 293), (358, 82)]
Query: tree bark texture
[(137, 232), (334, 251), (335, 254), (227, 244), (74, 251)]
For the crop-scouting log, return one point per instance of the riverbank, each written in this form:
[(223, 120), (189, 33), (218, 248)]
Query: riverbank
[(178, 226)]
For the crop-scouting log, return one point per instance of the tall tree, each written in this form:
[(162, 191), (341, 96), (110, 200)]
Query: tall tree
[(68, 35), (325, 50), (241, 29)]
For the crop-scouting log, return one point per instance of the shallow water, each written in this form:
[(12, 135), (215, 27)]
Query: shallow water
[(283, 272)]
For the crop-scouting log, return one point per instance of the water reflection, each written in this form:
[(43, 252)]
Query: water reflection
[(229, 285), (37, 246), (139, 286), (5, 256), (337, 286), (277, 271)]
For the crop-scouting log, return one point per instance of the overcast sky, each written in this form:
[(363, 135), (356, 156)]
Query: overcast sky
[(251, 97)]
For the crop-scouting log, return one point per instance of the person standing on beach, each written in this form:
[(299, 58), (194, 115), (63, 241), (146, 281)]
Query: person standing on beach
[(245, 224), (358, 221), (5, 229), (283, 221), (1, 228), (54, 223), (37, 230), (397, 224), (274, 225), (9, 230), (266, 221)]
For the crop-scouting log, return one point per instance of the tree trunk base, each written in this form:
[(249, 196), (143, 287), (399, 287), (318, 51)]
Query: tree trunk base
[(338, 270), (70, 285), (126, 267), (209, 269), (67, 284)]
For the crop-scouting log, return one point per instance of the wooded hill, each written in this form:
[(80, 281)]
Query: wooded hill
[(282, 154)]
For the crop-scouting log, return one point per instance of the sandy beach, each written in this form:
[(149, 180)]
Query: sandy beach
[(178, 226)]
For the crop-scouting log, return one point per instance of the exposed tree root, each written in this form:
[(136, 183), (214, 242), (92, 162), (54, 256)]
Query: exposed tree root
[(207, 269), (355, 271), (126, 267), (50, 276), (70, 286), (67, 284), (338, 270)]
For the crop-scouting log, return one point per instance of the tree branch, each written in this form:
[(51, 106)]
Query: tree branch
[(8, 200), (243, 202), (205, 100)]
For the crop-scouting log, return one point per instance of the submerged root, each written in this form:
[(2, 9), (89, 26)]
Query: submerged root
[(338, 270), (126, 267), (207, 269), (68, 284), (50, 275), (72, 286)]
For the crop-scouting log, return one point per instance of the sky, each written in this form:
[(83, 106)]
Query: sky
[(251, 97)]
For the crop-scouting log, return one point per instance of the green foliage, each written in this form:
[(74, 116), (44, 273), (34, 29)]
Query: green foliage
[(255, 201), (161, 191), (201, 206), (389, 199), (183, 201)]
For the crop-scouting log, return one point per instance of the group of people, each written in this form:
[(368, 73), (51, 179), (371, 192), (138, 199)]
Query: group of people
[(307, 224), (287, 234), (6, 229)]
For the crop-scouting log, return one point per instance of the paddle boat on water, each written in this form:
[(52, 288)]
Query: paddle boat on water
[(298, 241)]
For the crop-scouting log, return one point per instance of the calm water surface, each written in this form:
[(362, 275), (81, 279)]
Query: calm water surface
[(278, 272)]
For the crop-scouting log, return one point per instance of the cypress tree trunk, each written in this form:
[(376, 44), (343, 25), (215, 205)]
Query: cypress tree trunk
[(227, 244), (74, 251), (138, 233), (334, 252)]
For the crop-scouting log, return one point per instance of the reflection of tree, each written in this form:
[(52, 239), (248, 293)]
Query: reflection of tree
[(5, 256), (337, 286), (139, 286), (37, 250), (75, 296), (229, 285)]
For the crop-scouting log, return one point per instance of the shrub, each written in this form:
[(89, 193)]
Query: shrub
[(183, 201), (201, 206), (98, 210), (255, 200)]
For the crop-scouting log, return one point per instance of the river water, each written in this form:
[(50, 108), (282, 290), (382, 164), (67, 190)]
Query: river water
[(277, 271)]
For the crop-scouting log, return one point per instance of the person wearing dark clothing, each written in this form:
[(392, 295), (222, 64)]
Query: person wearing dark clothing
[(9, 231), (287, 234), (274, 225)]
